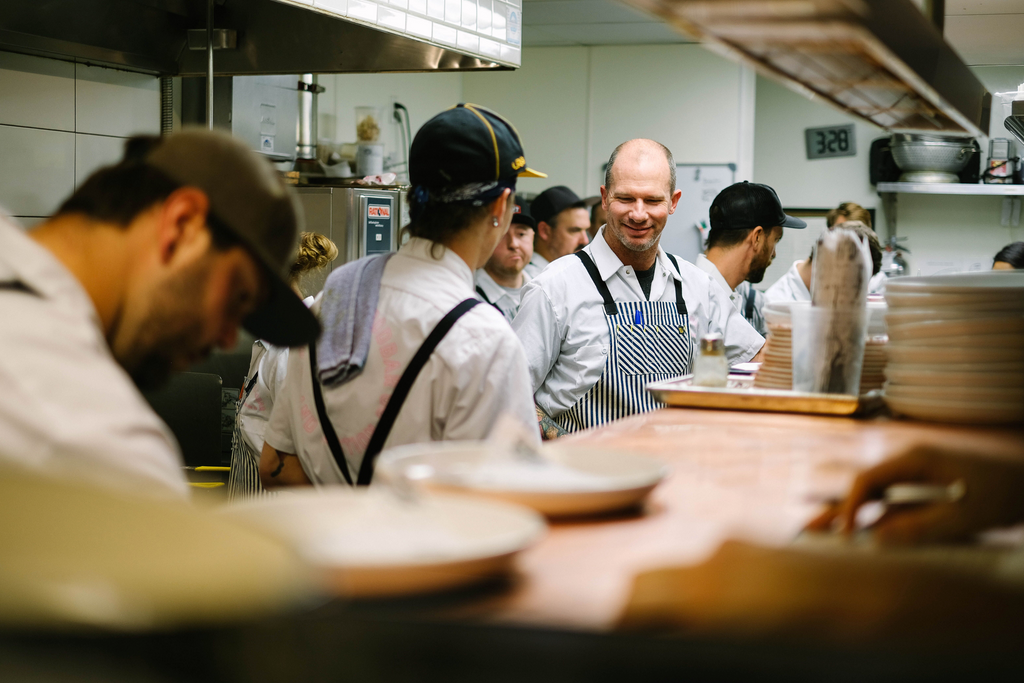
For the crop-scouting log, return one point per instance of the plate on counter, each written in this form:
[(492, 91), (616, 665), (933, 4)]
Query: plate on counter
[(957, 411), (371, 543), (565, 481)]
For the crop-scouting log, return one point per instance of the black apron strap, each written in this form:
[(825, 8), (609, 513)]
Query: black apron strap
[(325, 423), (387, 419), (680, 302), (588, 263), (751, 293), (486, 300)]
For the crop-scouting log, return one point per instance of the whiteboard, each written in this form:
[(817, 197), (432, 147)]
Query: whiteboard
[(700, 184)]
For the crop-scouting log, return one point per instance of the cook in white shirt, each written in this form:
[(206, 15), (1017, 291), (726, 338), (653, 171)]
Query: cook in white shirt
[(561, 229), (792, 286), (500, 282), (129, 280), (477, 372), (591, 356), (745, 297)]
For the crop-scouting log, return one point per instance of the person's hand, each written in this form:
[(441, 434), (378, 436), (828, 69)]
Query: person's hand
[(993, 497)]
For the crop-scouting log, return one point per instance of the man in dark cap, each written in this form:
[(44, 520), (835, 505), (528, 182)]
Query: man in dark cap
[(746, 223), (150, 264), (562, 223), (500, 282)]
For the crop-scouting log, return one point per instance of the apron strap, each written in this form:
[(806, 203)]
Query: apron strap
[(387, 419), (680, 302), (602, 288), (325, 423), (751, 293), (486, 300)]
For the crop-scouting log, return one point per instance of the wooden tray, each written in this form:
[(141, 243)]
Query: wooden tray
[(741, 394)]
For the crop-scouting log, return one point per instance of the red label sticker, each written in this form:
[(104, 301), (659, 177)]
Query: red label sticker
[(379, 211)]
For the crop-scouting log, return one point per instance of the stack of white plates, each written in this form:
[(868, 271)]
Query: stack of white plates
[(872, 372), (956, 347)]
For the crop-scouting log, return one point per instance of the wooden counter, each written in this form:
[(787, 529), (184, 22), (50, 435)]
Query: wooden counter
[(748, 475)]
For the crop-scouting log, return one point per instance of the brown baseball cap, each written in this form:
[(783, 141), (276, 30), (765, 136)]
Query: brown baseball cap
[(248, 197)]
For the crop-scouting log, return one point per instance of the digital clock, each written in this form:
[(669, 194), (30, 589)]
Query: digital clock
[(830, 141)]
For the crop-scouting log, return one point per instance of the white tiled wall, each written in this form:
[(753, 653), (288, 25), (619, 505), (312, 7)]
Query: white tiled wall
[(60, 121)]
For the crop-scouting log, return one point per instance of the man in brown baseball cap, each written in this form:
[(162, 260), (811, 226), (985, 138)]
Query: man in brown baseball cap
[(150, 264)]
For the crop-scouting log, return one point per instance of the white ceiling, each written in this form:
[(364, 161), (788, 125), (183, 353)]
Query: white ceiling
[(982, 31)]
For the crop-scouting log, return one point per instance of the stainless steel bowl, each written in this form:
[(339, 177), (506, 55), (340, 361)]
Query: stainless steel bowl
[(930, 158)]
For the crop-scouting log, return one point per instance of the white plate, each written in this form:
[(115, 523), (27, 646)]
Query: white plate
[(931, 392), (957, 303), (370, 543), (571, 480), (903, 316), (961, 412), (1010, 367), (934, 354), (75, 556), (1006, 341), (988, 281), (909, 331), (900, 374), (744, 368)]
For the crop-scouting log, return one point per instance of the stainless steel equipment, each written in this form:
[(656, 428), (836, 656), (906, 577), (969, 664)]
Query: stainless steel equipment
[(1002, 162), (930, 158), (360, 220)]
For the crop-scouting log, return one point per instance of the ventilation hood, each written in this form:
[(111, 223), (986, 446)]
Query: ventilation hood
[(880, 60), (273, 36)]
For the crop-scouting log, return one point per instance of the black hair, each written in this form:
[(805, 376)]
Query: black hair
[(440, 222), (1012, 254), (722, 236), (117, 194)]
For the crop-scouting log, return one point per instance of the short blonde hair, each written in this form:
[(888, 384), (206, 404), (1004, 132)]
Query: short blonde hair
[(315, 251), (848, 211)]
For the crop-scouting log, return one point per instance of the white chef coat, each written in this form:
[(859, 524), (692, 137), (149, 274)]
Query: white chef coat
[(561, 321), (877, 283), (67, 408), (789, 287), (536, 265), (477, 373), (737, 296), (504, 299)]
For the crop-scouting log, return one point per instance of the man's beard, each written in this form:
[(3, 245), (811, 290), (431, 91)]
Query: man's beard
[(646, 245), (168, 334), (758, 267), (503, 271)]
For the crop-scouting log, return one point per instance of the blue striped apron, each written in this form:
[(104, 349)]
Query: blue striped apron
[(650, 341)]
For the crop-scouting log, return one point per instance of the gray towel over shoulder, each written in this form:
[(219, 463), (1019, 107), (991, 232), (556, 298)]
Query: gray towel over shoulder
[(347, 310)]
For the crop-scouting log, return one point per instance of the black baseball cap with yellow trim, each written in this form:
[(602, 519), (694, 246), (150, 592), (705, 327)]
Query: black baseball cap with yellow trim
[(467, 144)]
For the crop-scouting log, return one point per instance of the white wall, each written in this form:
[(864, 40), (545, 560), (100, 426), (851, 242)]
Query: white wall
[(423, 94), (573, 105), (59, 121), (945, 233)]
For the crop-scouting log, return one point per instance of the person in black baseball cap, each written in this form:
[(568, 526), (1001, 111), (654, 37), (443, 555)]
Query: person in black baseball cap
[(438, 364), (500, 282), (746, 223), (562, 222), (150, 264)]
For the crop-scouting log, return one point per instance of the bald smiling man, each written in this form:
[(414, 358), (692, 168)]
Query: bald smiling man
[(602, 323)]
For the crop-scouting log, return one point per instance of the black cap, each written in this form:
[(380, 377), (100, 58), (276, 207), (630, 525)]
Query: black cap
[(467, 144), (747, 205), (248, 196), (554, 201), (522, 213)]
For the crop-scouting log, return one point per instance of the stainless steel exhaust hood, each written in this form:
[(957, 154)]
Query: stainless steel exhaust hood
[(273, 36), (1015, 121), (881, 60)]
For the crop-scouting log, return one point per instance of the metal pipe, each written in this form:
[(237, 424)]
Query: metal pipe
[(209, 63), (307, 130)]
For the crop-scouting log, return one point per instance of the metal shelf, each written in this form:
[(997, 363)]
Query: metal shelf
[(953, 188)]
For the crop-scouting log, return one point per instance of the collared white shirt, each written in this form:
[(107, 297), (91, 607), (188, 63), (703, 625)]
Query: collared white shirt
[(477, 373), (789, 287), (877, 283), (67, 408), (562, 326), (737, 296), (537, 264), (505, 299)]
